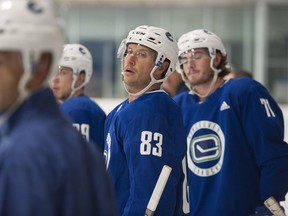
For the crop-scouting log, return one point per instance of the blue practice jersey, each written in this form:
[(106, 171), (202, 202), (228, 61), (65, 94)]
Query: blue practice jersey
[(236, 154), (87, 117), (47, 168), (142, 137)]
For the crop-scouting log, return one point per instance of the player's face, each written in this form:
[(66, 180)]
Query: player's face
[(61, 83), (138, 62), (196, 66), (10, 73)]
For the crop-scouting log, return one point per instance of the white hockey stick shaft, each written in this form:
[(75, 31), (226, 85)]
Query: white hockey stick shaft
[(274, 207), (158, 190)]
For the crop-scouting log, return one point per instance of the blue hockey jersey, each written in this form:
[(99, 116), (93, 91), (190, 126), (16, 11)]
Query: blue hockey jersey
[(47, 168), (87, 117), (142, 137), (235, 150)]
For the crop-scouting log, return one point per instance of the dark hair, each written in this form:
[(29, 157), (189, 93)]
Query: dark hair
[(241, 73), (164, 74), (225, 69)]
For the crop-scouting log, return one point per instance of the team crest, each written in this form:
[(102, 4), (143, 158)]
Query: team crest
[(205, 150)]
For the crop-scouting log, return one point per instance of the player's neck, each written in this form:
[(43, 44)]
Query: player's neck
[(203, 89), (154, 87), (132, 98), (78, 92)]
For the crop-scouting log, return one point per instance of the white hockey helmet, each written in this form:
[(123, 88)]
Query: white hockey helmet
[(30, 27), (157, 39), (201, 38), (78, 58)]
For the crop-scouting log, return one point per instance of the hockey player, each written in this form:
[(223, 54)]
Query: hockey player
[(145, 132), (45, 167), (235, 150), (74, 72)]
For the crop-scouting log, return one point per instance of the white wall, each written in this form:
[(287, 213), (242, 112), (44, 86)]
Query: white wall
[(107, 104)]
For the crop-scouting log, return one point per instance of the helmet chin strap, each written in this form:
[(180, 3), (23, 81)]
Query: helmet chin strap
[(152, 82), (73, 89), (213, 82)]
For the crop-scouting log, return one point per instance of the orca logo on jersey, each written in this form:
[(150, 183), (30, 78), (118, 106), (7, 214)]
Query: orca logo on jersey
[(206, 145), (33, 7)]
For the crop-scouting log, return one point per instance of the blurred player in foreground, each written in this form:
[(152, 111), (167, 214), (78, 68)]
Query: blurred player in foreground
[(46, 168)]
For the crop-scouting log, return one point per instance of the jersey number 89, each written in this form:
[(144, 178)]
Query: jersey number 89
[(146, 147)]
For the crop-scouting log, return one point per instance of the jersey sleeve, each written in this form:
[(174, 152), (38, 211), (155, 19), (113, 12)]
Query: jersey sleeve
[(262, 120)]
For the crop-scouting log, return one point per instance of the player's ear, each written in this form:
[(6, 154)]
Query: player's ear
[(164, 66), (163, 69), (217, 60), (40, 73)]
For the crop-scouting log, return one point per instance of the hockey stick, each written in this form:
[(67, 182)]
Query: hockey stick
[(158, 190), (274, 207)]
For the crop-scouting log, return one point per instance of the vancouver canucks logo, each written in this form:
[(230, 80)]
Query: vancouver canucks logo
[(206, 147), (169, 36), (81, 50), (207, 32), (34, 7)]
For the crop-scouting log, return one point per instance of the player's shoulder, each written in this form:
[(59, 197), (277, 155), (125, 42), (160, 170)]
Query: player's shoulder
[(151, 105), (185, 98), (41, 137), (81, 103), (118, 108), (242, 85), (151, 101), (74, 101), (181, 95), (158, 97)]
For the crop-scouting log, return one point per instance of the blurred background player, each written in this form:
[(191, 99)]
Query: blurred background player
[(237, 73), (236, 154), (45, 167), (74, 72), (145, 132), (174, 84)]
